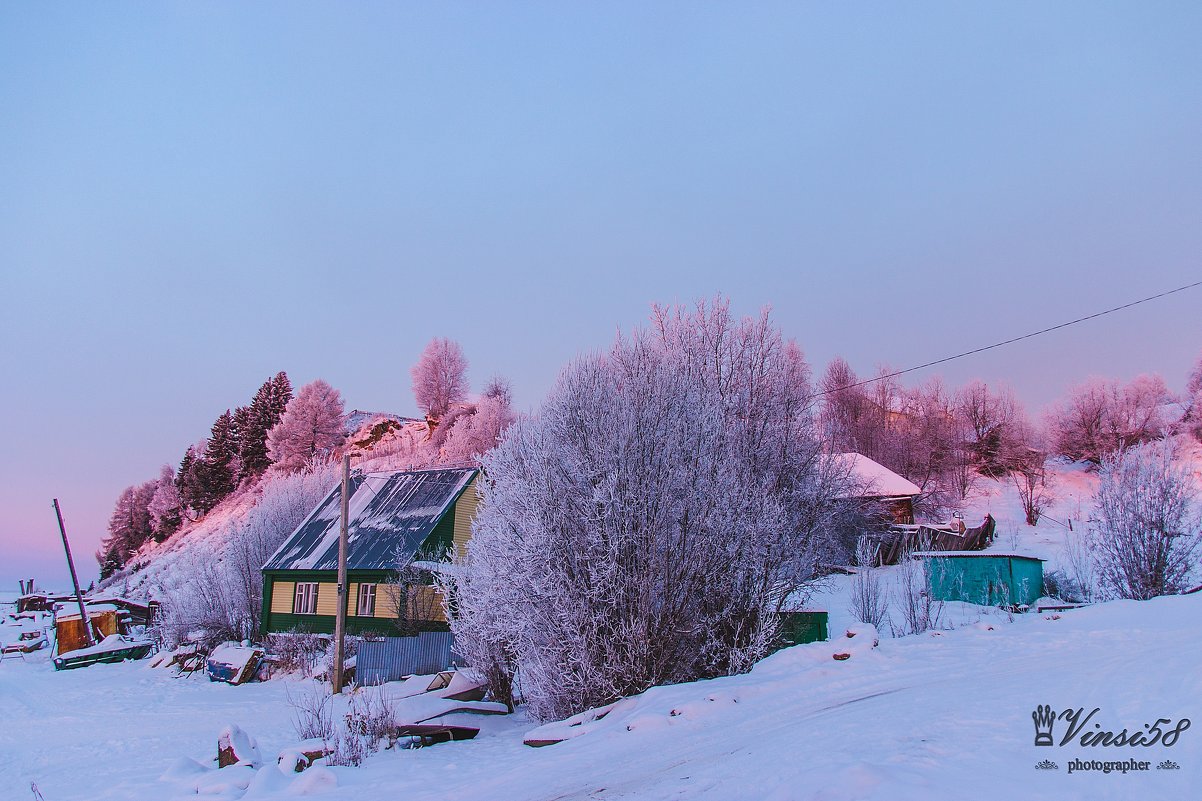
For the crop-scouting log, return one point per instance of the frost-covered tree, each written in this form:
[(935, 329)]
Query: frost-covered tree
[(439, 377), (843, 407), (988, 418), (477, 433), (499, 388), (912, 431), (649, 522), (1100, 417), (129, 524), (165, 507), (1193, 401), (1147, 536), (312, 427)]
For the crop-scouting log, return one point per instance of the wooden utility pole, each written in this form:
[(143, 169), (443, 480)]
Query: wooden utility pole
[(340, 615), (83, 612)]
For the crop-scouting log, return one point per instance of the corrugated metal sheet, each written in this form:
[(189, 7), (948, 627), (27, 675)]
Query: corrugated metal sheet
[(393, 658), (984, 578), (391, 515)]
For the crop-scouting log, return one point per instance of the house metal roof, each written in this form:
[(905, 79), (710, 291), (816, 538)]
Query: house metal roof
[(390, 516), (872, 479), (976, 555)]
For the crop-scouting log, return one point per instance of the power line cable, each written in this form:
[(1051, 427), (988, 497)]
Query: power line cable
[(1013, 339)]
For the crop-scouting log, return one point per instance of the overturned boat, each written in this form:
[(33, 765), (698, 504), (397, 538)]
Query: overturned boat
[(113, 648)]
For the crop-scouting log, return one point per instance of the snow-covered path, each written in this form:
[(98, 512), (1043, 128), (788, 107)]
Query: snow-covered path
[(927, 717)]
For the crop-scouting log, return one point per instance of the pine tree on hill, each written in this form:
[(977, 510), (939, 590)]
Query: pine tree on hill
[(118, 545), (265, 411), (218, 469), (242, 429), (109, 561), (143, 495), (188, 479)]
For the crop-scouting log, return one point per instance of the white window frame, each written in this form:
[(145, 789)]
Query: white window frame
[(304, 600), (366, 603)]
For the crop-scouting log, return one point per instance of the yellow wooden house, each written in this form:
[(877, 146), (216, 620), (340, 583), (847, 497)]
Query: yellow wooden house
[(395, 518)]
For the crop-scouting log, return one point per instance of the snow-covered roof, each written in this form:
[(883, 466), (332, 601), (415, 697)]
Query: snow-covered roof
[(71, 611), (390, 515), (874, 480)]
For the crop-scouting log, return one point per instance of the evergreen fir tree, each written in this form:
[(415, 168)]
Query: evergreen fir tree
[(188, 480), (265, 411), (218, 466), (242, 431), (109, 562)]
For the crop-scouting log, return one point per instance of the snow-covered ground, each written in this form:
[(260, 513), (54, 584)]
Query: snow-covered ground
[(923, 717), (932, 716)]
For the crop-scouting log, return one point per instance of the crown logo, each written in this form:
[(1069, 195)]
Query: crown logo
[(1044, 717)]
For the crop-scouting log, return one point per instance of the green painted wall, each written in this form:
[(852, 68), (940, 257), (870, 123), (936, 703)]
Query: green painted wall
[(802, 627), (279, 622), (984, 580), (275, 622)]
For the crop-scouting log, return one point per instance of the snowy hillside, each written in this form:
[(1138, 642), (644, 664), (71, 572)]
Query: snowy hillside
[(376, 440), (919, 718)]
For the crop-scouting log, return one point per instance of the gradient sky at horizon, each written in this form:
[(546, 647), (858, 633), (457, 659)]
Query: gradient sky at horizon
[(195, 196)]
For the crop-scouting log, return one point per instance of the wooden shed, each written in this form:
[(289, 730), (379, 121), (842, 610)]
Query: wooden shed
[(69, 631), (872, 482), (422, 515), (983, 577)]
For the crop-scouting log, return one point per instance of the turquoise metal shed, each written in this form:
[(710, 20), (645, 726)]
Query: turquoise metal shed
[(981, 577)]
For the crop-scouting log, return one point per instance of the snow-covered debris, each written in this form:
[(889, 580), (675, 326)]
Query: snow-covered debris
[(233, 663), (295, 758), (236, 747)]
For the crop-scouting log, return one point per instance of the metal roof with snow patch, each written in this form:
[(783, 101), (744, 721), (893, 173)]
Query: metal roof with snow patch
[(390, 516), (871, 479)]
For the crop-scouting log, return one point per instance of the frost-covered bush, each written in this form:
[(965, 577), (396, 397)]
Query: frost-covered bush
[(298, 651), (312, 712), (220, 596), (372, 716), (1080, 566), (918, 610), (648, 524), (1059, 584), (869, 595), (1147, 535), (200, 610)]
